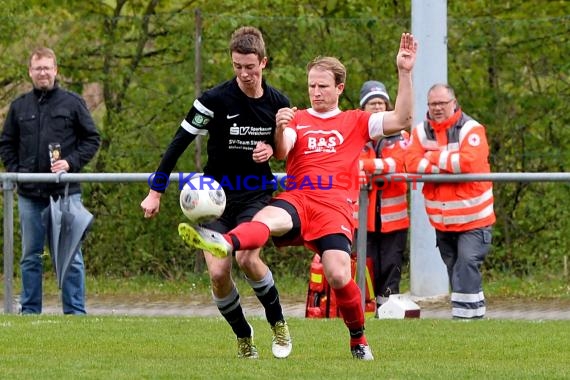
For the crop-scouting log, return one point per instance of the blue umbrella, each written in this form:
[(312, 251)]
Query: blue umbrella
[(67, 222)]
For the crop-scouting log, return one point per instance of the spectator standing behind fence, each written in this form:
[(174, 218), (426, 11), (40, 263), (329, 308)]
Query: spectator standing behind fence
[(239, 116), (321, 144), (451, 142), (47, 114), (387, 218)]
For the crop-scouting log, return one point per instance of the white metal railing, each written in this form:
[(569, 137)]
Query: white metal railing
[(8, 180)]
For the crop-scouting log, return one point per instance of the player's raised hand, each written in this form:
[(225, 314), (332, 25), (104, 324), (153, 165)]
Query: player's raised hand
[(407, 54)]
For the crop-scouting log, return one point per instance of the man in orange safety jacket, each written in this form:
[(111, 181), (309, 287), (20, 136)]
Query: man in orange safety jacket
[(451, 142)]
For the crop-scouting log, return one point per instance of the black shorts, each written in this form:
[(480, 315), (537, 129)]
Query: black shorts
[(240, 207), (293, 237)]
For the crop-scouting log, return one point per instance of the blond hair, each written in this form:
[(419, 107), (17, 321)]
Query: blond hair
[(331, 64), (42, 52)]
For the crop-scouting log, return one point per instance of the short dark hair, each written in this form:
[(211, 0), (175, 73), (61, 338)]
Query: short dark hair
[(449, 89), (248, 40)]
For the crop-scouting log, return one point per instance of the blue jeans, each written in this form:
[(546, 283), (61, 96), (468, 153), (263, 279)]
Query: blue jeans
[(33, 242)]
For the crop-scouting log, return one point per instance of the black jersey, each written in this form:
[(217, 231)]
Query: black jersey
[(235, 123)]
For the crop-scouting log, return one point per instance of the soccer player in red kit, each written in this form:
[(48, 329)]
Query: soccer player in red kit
[(322, 145)]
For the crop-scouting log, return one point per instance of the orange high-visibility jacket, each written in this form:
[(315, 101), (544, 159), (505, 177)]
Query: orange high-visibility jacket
[(457, 145), (393, 208)]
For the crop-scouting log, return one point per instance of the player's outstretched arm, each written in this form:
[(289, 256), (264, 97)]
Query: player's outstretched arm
[(402, 116)]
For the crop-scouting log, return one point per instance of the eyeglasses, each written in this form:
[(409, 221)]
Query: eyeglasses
[(439, 104), (39, 69)]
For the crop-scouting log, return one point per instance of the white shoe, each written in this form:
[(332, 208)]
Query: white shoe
[(281, 345), (362, 352)]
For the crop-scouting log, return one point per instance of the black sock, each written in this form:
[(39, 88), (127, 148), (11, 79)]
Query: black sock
[(272, 305), (231, 310)]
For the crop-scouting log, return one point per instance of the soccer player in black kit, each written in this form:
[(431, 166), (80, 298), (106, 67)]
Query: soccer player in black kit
[(239, 116)]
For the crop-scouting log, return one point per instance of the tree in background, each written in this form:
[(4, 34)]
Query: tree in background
[(134, 61)]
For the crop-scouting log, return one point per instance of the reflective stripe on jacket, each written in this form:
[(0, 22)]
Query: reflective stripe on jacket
[(393, 208), (457, 145)]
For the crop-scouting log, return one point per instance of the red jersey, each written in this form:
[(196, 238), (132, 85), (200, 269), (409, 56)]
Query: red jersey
[(323, 165), (326, 149)]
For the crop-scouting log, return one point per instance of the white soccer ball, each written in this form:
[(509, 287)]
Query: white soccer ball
[(202, 200)]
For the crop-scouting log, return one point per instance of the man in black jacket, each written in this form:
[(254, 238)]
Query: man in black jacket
[(46, 115)]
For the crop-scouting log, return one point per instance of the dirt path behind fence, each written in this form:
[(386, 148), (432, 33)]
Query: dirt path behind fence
[(437, 307)]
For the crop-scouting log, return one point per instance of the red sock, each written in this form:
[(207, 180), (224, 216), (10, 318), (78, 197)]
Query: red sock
[(248, 235), (349, 301)]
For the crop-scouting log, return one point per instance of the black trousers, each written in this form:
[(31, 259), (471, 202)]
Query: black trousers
[(387, 253)]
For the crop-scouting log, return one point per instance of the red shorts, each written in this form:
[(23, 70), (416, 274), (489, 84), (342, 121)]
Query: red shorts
[(321, 213)]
